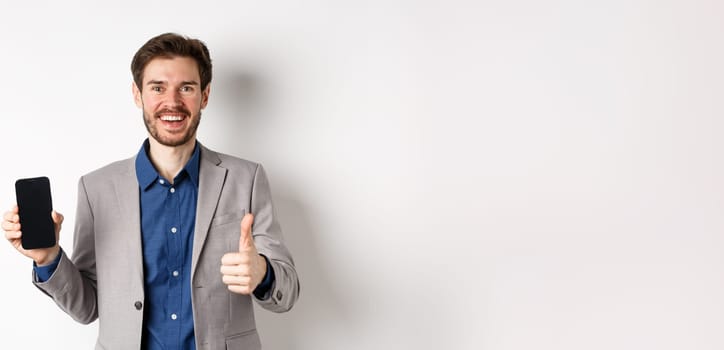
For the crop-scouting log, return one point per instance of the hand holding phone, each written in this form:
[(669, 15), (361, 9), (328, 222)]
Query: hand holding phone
[(15, 232)]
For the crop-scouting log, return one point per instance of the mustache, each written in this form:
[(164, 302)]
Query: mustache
[(179, 110)]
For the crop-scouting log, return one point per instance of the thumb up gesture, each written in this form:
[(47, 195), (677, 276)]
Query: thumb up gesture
[(243, 270)]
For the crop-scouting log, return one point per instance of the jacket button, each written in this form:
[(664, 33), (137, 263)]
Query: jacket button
[(138, 305), (279, 295)]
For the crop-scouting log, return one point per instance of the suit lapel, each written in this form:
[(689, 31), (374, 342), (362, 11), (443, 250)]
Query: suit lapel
[(211, 181), (126, 186)]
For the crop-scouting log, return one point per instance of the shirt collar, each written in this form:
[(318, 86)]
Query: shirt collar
[(147, 174), (192, 167)]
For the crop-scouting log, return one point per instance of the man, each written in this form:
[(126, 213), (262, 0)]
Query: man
[(171, 246)]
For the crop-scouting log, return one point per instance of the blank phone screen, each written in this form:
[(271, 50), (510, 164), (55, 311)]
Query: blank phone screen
[(34, 208)]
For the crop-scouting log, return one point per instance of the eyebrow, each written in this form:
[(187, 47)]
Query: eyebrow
[(162, 82)]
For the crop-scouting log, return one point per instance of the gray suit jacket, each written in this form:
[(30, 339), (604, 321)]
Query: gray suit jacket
[(104, 278)]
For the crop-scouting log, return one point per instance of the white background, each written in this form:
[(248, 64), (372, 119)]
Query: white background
[(448, 174)]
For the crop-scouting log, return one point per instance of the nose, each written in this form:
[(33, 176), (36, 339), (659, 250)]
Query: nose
[(173, 98)]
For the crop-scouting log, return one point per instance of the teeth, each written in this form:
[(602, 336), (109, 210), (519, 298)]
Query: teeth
[(171, 118)]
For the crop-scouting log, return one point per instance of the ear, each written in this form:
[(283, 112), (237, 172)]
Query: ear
[(205, 96), (136, 95)]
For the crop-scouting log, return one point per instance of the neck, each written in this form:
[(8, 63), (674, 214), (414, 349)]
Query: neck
[(169, 160)]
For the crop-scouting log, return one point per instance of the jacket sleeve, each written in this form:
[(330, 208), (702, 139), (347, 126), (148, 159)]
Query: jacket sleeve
[(73, 284), (269, 241)]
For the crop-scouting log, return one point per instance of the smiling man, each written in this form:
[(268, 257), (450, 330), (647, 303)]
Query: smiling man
[(172, 245)]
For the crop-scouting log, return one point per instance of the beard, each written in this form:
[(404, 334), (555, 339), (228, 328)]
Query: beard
[(175, 139)]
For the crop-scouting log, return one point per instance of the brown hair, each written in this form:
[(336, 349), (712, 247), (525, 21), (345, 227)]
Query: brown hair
[(171, 45)]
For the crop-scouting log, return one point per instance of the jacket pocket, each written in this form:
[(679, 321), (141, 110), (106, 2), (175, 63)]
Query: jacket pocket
[(248, 340), (227, 218)]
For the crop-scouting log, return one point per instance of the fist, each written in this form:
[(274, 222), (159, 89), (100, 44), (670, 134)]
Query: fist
[(242, 271)]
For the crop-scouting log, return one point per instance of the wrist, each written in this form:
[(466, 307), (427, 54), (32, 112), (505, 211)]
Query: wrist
[(49, 257)]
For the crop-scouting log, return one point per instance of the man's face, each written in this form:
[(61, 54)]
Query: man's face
[(171, 99)]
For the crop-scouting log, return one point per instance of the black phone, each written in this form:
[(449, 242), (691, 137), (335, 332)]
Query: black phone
[(34, 209)]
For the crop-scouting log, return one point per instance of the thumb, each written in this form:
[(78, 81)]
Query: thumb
[(57, 217), (246, 241)]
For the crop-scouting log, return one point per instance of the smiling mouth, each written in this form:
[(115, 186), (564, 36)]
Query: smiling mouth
[(172, 118), (173, 115)]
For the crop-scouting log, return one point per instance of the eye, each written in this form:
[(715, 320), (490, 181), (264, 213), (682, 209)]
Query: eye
[(156, 88), (187, 88)]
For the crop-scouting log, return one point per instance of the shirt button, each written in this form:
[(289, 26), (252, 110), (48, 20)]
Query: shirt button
[(173, 230), (161, 181), (172, 190), (173, 316), (175, 274), (138, 305)]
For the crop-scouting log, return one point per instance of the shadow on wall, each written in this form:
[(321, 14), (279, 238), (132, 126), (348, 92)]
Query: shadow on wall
[(319, 306), (240, 94), (244, 96)]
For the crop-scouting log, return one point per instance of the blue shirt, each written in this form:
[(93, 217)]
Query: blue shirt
[(168, 213)]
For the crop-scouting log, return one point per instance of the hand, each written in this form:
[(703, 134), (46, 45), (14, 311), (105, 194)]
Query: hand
[(242, 271), (41, 256)]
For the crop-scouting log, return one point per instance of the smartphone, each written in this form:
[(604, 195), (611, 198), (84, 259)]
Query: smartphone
[(34, 209)]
